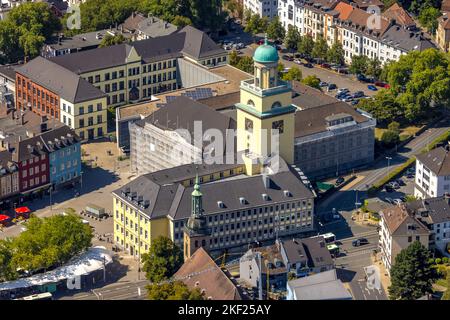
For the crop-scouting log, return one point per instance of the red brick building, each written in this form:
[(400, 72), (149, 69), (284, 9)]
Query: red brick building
[(30, 95), (31, 155)]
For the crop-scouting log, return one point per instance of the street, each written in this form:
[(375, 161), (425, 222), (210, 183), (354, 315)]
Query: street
[(118, 291)]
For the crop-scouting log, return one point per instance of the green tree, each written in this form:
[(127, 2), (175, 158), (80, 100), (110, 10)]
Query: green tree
[(163, 259), (384, 107), (336, 54), (390, 138), (50, 242), (181, 21), (110, 40), (294, 73), (374, 68), (176, 290), (446, 295), (25, 29), (245, 64), (7, 271), (359, 64), (306, 45), (292, 38), (312, 81), (256, 25), (428, 18), (412, 275), (394, 126), (275, 29), (320, 49)]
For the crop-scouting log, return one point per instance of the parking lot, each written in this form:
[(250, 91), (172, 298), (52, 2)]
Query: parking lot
[(404, 186)]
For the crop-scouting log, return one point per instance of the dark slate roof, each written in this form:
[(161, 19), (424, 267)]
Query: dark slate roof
[(406, 40), (6, 162), (224, 101), (437, 160), (29, 148), (306, 97), (313, 120), (59, 80), (198, 44), (311, 250), (230, 191), (8, 71), (173, 199), (59, 138), (432, 210), (182, 112), (189, 41)]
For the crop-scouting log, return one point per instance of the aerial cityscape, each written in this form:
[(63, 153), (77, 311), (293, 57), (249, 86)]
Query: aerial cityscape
[(239, 150)]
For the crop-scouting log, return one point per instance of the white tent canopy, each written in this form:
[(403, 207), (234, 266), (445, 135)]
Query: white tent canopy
[(93, 259)]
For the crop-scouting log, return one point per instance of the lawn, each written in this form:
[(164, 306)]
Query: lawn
[(405, 133)]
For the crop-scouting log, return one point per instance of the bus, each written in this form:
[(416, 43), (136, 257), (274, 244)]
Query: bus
[(334, 249), (38, 296), (329, 237)]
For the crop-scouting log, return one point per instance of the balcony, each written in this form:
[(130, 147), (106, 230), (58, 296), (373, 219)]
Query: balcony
[(249, 84)]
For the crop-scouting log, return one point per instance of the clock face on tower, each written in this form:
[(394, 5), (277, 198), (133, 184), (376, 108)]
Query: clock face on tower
[(248, 124), (278, 125)]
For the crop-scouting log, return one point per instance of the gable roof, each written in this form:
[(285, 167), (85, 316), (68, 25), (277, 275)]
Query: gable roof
[(397, 13), (437, 160), (202, 272), (313, 250), (60, 80), (432, 210), (189, 41), (399, 37), (344, 10), (400, 223)]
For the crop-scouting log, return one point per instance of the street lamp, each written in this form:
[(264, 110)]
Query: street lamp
[(389, 162)]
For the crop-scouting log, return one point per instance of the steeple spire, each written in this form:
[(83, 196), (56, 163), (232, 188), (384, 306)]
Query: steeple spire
[(197, 199)]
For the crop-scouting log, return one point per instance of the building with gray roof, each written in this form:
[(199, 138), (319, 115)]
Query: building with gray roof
[(432, 173), (333, 138), (321, 286)]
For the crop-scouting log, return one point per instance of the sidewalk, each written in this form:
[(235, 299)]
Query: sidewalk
[(384, 278)]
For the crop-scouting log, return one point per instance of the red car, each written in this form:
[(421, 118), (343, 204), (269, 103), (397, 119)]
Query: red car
[(325, 65), (382, 84)]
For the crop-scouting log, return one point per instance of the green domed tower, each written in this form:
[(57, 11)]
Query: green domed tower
[(265, 114)]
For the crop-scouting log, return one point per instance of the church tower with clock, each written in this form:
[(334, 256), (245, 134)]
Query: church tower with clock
[(265, 107), (196, 232)]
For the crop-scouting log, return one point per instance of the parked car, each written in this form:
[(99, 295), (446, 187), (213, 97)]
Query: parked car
[(400, 182), (398, 201), (331, 86), (382, 84), (359, 242), (354, 102), (308, 65), (323, 84), (358, 94), (389, 200), (260, 42), (325, 65), (372, 87), (343, 90), (339, 181), (394, 185), (388, 189), (347, 98), (297, 61), (287, 57)]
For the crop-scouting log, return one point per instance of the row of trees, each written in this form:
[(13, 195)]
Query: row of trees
[(47, 242), (419, 83), (25, 30), (101, 14), (160, 264)]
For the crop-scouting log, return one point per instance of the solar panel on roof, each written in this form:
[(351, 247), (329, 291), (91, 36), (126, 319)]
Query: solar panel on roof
[(170, 98)]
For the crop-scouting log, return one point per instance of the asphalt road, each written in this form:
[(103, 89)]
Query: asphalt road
[(117, 291)]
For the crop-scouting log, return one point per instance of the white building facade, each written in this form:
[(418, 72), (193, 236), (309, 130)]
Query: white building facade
[(264, 8)]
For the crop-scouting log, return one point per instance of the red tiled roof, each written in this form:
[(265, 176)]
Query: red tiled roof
[(397, 13)]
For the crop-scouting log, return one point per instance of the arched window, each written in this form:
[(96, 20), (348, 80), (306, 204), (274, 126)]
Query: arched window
[(251, 103), (276, 104)]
